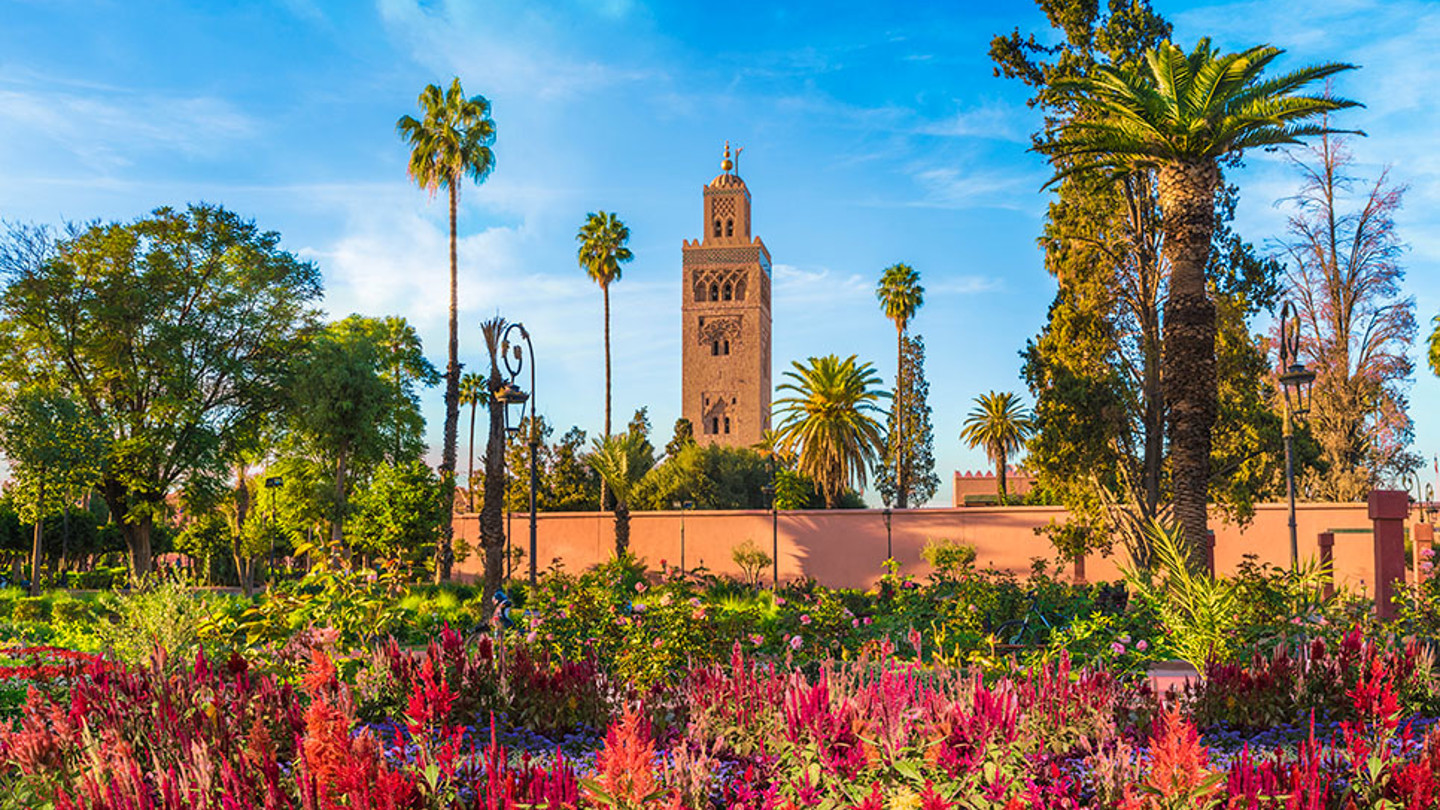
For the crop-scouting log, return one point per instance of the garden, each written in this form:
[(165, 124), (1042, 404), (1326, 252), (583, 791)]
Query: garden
[(618, 687)]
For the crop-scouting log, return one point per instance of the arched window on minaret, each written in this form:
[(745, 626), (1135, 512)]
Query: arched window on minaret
[(715, 349), (715, 424), (714, 291), (725, 347), (717, 226), (727, 424), (729, 292), (729, 227)]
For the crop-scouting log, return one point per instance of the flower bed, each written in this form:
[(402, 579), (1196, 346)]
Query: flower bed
[(429, 729)]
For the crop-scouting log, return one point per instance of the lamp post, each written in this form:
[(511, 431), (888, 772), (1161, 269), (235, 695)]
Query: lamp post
[(272, 483), (1295, 382), (683, 506), (1413, 477), (889, 546), (515, 363)]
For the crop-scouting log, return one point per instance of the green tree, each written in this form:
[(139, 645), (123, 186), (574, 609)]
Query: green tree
[(171, 332), (404, 368), (712, 476), (339, 399), (622, 461), (451, 143), (1001, 425), (912, 437), (572, 482), (900, 296), (1435, 346), (682, 437), (602, 250), (54, 448), (474, 394), (1180, 115), (396, 513), (828, 422)]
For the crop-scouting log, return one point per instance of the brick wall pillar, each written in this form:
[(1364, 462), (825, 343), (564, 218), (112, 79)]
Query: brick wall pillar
[(1327, 561), (1388, 510), (1424, 537)]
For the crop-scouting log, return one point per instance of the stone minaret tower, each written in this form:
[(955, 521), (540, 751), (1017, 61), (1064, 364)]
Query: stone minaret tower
[(725, 360)]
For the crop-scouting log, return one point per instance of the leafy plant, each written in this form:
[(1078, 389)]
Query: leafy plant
[(1198, 611)]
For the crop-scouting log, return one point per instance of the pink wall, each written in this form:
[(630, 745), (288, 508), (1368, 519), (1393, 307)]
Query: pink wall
[(845, 548)]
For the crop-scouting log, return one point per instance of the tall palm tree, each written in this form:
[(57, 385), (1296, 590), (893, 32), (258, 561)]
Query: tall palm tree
[(1179, 115), (829, 422), (602, 250), (1001, 424), (451, 143), (473, 392), (621, 461), (900, 296)]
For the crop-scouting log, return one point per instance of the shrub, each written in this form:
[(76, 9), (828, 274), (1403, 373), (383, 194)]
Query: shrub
[(751, 560), (31, 609), (948, 557)]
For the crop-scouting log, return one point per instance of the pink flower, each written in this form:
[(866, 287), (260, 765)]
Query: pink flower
[(779, 600), (657, 643), (854, 622), (1142, 645), (639, 587), (804, 618), (869, 621), (757, 639), (1117, 648), (795, 642)]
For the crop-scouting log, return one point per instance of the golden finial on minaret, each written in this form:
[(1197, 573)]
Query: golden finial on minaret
[(726, 165)]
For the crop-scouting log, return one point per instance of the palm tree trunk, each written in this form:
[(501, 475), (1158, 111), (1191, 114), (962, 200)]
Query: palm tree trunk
[(622, 529), (470, 474), (901, 395), (1187, 202), (444, 554), (492, 518), (605, 293), (1000, 478)]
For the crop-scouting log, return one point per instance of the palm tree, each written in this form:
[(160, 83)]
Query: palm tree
[(829, 422), (492, 508), (1000, 424), (451, 143), (1179, 115), (602, 250), (473, 392), (901, 296), (621, 461)]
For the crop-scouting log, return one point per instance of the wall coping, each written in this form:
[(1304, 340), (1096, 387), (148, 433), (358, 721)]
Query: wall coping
[(1359, 506)]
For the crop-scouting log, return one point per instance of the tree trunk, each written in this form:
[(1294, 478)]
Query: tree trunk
[(38, 539), (1000, 479), (444, 552), (902, 390), (605, 293), (622, 529), (135, 532), (244, 564), (1187, 203), (492, 518), (470, 463), (337, 521)]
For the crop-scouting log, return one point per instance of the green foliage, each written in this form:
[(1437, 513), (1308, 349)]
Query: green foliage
[(751, 560), (712, 476), (622, 461), (358, 605), (909, 425), (948, 557), (165, 615), (1198, 611), (828, 422), (402, 365), (223, 309), (397, 512), (54, 446)]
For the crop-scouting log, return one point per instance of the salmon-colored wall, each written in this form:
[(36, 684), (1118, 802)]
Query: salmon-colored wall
[(845, 548)]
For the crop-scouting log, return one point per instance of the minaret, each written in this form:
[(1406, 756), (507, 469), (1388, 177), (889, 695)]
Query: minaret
[(725, 311)]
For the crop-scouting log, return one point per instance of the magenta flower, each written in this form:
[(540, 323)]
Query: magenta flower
[(804, 618)]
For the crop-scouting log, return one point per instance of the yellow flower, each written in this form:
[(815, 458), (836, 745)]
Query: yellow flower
[(904, 799)]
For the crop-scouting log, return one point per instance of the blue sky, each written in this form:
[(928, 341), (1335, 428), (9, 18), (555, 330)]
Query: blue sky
[(872, 135)]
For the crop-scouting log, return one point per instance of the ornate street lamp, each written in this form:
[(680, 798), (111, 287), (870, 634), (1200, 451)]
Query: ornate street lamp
[(515, 362), (1295, 382), (272, 483), (769, 489)]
